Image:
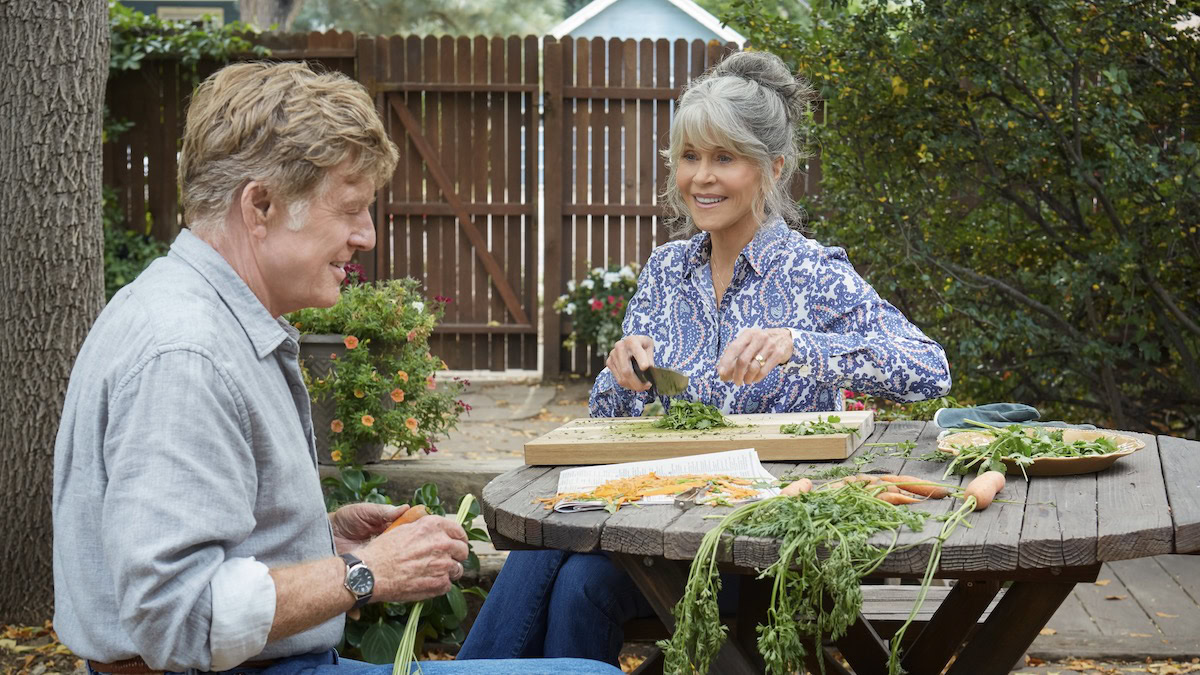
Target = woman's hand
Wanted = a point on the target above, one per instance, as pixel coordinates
(753, 353)
(637, 347)
(356, 524)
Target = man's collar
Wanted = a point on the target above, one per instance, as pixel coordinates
(265, 331)
(766, 245)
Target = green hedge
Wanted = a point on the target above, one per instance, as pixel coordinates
(1021, 179)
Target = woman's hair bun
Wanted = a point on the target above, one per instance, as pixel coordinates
(769, 70)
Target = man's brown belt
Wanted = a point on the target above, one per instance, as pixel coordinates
(137, 666)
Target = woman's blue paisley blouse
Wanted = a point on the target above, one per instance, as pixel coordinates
(844, 335)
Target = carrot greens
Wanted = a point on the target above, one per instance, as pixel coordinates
(818, 426)
(692, 415)
(1020, 445)
(824, 552)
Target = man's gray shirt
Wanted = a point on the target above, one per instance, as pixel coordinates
(186, 441)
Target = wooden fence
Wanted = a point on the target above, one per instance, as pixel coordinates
(519, 158)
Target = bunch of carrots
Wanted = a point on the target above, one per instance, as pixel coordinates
(900, 490)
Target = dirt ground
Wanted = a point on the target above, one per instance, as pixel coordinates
(35, 650)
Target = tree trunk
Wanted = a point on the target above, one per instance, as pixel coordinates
(276, 15)
(55, 56)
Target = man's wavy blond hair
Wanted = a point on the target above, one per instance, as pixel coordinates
(282, 124)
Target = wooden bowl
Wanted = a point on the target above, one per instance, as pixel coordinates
(1054, 466)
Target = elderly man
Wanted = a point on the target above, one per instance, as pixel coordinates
(189, 528)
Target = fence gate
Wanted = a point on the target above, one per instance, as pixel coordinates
(460, 213)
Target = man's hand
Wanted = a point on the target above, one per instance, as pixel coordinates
(416, 561)
(356, 524)
(637, 347)
(753, 353)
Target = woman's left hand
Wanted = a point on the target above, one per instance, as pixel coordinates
(753, 353)
(357, 524)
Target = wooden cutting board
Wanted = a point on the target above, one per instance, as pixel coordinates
(611, 440)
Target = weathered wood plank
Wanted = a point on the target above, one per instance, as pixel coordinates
(681, 539)
(1132, 506)
(954, 617)
(1181, 469)
(1072, 617)
(1060, 522)
(1010, 628)
(578, 532)
(1176, 614)
(1185, 570)
(992, 542)
(637, 530)
(519, 517)
(504, 486)
(1121, 616)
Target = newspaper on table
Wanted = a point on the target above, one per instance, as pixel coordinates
(732, 463)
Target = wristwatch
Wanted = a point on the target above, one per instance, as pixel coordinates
(359, 580)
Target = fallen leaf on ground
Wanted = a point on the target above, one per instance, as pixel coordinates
(1047, 631)
(1140, 635)
(1167, 616)
(1115, 597)
(1103, 582)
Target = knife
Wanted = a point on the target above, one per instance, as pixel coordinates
(668, 382)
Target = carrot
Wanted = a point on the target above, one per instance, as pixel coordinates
(860, 478)
(898, 498)
(984, 488)
(409, 516)
(918, 486)
(796, 487)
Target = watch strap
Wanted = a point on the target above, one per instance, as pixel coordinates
(353, 561)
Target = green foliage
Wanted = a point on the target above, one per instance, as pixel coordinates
(376, 634)
(596, 306)
(126, 252)
(817, 427)
(430, 17)
(692, 415)
(385, 387)
(136, 36)
(1022, 179)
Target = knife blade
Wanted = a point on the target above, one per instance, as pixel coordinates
(666, 381)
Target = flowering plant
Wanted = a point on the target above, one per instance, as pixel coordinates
(382, 379)
(596, 305)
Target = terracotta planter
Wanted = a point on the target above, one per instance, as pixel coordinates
(315, 351)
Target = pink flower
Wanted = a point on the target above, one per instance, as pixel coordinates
(611, 300)
(597, 304)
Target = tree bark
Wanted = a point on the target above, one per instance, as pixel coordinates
(55, 65)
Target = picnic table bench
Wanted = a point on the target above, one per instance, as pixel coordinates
(1048, 534)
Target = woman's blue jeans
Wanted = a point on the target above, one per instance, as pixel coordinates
(555, 604)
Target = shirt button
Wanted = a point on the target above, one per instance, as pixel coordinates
(805, 370)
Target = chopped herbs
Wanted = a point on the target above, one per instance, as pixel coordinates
(692, 415)
(1021, 445)
(818, 426)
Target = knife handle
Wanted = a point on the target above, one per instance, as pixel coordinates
(638, 371)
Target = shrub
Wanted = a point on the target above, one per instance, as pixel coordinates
(1022, 180)
(596, 306)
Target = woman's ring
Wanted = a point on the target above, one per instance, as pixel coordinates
(759, 358)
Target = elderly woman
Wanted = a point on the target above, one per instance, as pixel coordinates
(761, 318)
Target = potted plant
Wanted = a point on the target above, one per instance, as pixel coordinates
(367, 365)
(596, 306)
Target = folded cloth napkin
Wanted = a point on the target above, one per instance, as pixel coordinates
(996, 414)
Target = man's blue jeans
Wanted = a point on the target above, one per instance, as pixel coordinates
(329, 663)
(555, 604)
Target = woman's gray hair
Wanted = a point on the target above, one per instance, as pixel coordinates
(748, 104)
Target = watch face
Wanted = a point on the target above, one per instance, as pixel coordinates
(360, 580)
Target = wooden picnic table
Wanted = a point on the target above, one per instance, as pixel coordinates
(1049, 534)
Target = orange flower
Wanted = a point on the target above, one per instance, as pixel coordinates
(397, 395)
(411, 423)
(336, 455)
(358, 393)
(429, 383)
(336, 426)
(412, 335)
(402, 375)
(367, 420)
(351, 342)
